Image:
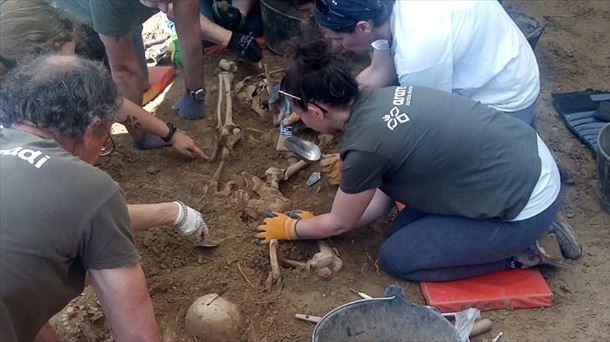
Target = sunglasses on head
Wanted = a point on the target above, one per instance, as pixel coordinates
(323, 7)
(302, 103)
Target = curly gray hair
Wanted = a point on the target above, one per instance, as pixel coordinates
(58, 93)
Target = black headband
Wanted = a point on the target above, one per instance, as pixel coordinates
(339, 14)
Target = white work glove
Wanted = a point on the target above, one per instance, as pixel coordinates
(189, 222)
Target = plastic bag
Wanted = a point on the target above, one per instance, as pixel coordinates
(464, 321)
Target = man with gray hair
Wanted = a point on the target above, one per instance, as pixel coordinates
(60, 217)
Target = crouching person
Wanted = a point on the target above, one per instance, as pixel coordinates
(61, 216)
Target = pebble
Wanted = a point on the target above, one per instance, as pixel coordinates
(569, 215)
(152, 169)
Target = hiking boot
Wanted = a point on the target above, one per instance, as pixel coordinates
(566, 238)
(545, 251)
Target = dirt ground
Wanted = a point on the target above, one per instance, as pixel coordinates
(573, 54)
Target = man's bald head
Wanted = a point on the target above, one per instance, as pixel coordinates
(58, 92)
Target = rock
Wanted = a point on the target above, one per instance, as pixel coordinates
(152, 169)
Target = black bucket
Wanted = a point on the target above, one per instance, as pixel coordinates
(280, 23)
(603, 165)
(531, 27)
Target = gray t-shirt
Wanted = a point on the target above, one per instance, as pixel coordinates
(59, 216)
(108, 17)
(439, 153)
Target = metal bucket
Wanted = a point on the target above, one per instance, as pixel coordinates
(603, 165)
(280, 23)
(389, 318)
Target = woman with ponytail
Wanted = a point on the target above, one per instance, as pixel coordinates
(480, 187)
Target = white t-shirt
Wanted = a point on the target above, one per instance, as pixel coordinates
(470, 48)
(547, 189)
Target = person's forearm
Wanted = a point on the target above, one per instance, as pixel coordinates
(320, 227)
(344, 217)
(46, 334)
(144, 216)
(189, 33)
(126, 304)
(134, 116)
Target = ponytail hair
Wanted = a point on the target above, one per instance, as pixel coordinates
(316, 75)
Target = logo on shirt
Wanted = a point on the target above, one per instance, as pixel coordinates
(35, 158)
(402, 96)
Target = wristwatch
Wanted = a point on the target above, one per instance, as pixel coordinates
(197, 94)
(172, 131)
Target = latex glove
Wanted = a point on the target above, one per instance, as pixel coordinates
(331, 165)
(188, 108)
(299, 214)
(246, 46)
(184, 145)
(189, 222)
(279, 226)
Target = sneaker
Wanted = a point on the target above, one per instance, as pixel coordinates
(563, 231)
(545, 252)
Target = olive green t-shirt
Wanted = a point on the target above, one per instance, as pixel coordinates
(439, 153)
(59, 216)
(108, 17)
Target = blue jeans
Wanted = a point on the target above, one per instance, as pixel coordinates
(254, 22)
(427, 247)
(528, 114)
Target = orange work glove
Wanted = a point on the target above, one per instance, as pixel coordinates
(279, 226)
(331, 165)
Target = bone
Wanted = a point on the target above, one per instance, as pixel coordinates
(228, 189)
(219, 104)
(269, 198)
(292, 169)
(327, 257)
(297, 264)
(216, 177)
(326, 263)
(227, 65)
(274, 175)
(275, 275)
(232, 139)
(226, 79)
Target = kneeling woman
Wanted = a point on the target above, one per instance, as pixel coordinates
(480, 187)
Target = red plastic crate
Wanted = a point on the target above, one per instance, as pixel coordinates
(510, 289)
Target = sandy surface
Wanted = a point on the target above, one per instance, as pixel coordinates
(573, 54)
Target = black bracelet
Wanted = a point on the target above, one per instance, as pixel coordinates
(172, 131)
